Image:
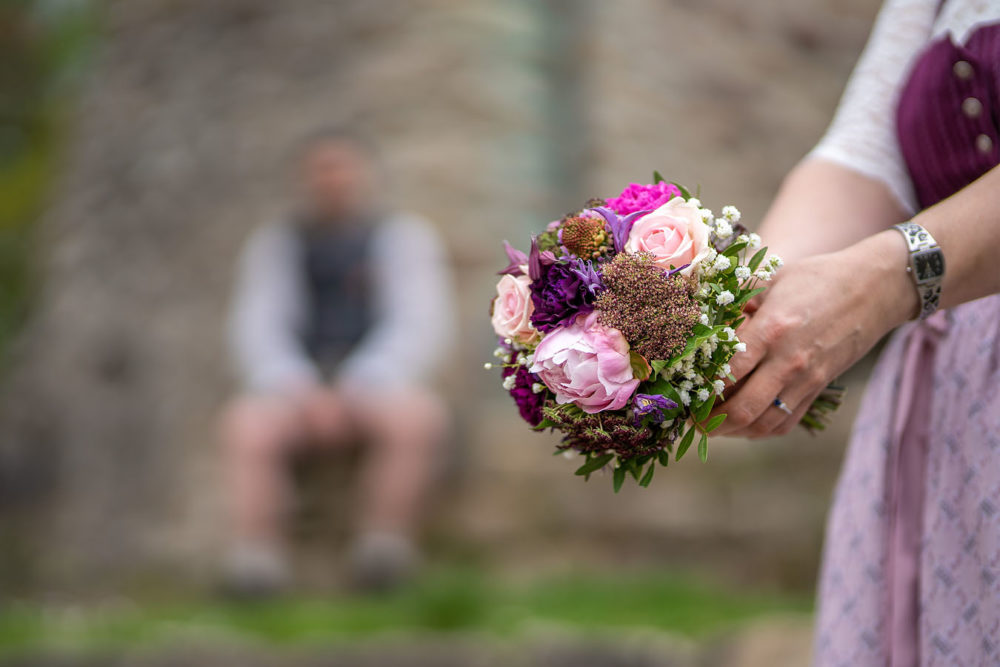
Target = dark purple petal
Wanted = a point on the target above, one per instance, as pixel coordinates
(563, 290)
(529, 404)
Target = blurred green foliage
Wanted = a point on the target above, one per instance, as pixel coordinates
(43, 50)
(445, 601)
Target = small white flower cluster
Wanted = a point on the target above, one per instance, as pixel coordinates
(721, 263)
(731, 213)
(766, 271)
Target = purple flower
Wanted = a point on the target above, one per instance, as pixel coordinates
(562, 290)
(620, 227)
(517, 260)
(529, 404)
(651, 405)
(638, 197)
(537, 261)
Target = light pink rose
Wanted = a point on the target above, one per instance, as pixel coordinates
(512, 309)
(587, 364)
(674, 234)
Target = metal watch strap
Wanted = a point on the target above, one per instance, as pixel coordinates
(926, 266)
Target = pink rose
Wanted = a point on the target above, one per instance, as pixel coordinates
(674, 234)
(587, 364)
(512, 309)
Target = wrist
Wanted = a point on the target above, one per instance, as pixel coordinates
(890, 285)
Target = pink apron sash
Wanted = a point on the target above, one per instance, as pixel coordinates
(906, 479)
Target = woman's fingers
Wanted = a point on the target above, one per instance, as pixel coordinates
(754, 397)
(743, 363)
(797, 396)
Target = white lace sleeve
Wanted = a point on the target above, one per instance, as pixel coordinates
(862, 135)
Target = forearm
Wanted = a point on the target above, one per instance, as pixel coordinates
(823, 207)
(967, 227)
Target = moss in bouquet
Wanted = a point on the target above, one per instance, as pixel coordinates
(655, 312)
(605, 431)
(548, 240)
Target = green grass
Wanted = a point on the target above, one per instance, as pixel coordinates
(442, 602)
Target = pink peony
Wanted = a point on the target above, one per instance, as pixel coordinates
(512, 309)
(587, 364)
(638, 197)
(674, 234)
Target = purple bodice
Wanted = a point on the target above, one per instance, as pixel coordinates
(948, 119)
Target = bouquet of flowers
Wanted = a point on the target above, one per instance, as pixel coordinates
(618, 326)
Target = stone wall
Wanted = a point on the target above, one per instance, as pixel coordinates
(494, 116)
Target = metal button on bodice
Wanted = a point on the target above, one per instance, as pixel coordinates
(984, 144)
(972, 107)
(963, 70)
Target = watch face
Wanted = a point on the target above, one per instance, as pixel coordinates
(929, 264)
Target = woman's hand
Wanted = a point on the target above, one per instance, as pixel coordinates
(819, 316)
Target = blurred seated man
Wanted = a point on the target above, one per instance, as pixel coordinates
(341, 313)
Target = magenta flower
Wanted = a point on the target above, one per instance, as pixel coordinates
(586, 364)
(638, 197)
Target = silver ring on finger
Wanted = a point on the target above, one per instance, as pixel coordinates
(781, 405)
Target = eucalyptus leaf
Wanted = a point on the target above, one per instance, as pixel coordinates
(746, 296)
(619, 479)
(757, 259)
(734, 249)
(648, 477)
(684, 190)
(701, 414)
(703, 448)
(715, 422)
(685, 443)
(593, 464)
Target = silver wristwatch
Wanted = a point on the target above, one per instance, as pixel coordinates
(926, 266)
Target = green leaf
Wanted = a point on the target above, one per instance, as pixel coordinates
(593, 464)
(703, 448)
(757, 259)
(685, 443)
(684, 190)
(701, 414)
(648, 477)
(619, 479)
(746, 296)
(544, 424)
(660, 365)
(734, 249)
(641, 370)
(715, 422)
(663, 456)
(700, 329)
(657, 177)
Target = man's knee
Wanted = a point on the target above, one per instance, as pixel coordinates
(416, 414)
(258, 425)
